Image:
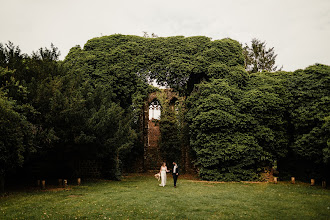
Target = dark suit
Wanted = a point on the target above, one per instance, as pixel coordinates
(175, 174)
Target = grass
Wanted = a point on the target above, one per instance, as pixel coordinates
(140, 197)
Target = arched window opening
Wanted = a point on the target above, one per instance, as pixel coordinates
(154, 110)
(174, 104)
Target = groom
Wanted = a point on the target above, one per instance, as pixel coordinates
(175, 173)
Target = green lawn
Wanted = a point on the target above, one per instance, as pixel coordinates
(140, 197)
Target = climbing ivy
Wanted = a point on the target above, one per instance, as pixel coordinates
(239, 125)
(90, 106)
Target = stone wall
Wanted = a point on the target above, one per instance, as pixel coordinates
(151, 133)
(153, 152)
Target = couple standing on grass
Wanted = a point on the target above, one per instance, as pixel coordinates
(163, 170)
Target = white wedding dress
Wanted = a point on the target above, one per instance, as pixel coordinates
(163, 176)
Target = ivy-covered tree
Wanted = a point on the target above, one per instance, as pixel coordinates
(89, 106)
(177, 62)
(237, 123)
(170, 142)
(310, 104)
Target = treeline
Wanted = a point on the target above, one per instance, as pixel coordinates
(53, 113)
(89, 106)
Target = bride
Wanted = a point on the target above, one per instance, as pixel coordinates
(163, 170)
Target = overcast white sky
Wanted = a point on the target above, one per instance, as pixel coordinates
(298, 29)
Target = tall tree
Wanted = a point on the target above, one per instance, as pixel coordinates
(17, 134)
(258, 58)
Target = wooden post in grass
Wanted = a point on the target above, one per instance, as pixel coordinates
(78, 181)
(38, 182)
(60, 182)
(43, 184)
(312, 182)
(324, 184)
(65, 182)
(293, 180)
(275, 180)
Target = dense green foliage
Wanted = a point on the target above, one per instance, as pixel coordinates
(225, 131)
(309, 112)
(56, 113)
(170, 129)
(88, 107)
(16, 132)
(16, 137)
(170, 143)
(117, 61)
(140, 197)
(177, 62)
(238, 128)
